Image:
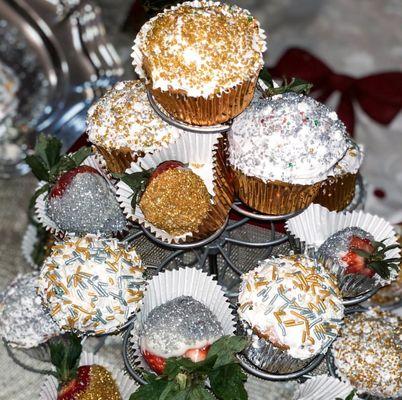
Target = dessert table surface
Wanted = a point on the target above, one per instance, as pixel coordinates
(356, 38)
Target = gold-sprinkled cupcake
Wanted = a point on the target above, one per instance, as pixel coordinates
(338, 190)
(123, 126)
(201, 60)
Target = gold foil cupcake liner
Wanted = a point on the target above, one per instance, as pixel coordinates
(273, 197)
(336, 193)
(214, 110)
(117, 160)
(126, 386)
(95, 161)
(204, 155)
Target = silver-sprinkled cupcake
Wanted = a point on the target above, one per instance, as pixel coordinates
(24, 323)
(292, 311)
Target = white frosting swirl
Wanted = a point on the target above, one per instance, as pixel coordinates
(294, 303)
(290, 138)
(203, 48)
(351, 161)
(91, 285)
(123, 118)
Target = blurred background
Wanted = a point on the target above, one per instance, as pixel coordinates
(58, 56)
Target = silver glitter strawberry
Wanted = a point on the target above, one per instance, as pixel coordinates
(358, 261)
(81, 201)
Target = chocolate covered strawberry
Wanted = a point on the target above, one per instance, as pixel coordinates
(171, 197)
(182, 327)
(80, 382)
(78, 198)
(357, 259)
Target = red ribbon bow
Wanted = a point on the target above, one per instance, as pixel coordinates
(379, 95)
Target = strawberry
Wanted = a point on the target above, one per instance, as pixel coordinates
(165, 166)
(65, 179)
(85, 382)
(358, 252)
(197, 355)
(158, 364)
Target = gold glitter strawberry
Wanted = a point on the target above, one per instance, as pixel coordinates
(171, 197)
(88, 382)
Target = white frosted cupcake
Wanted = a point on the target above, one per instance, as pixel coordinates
(281, 149)
(201, 60)
(123, 126)
(292, 310)
(91, 285)
(368, 352)
(338, 190)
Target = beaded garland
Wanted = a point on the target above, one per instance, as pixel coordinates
(91, 285)
(292, 302)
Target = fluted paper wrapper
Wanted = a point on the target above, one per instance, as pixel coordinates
(312, 227)
(336, 193)
(94, 161)
(216, 109)
(117, 160)
(27, 245)
(322, 387)
(183, 282)
(264, 355)
(273, 197)
(126, 385)
(196, 150)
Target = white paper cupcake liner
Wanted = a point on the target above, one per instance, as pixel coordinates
(264, 355)
(182, 282)
(197, 150)
(322, 387)
(126, 385)
(95, 161)
(316, 224)
(28, 243)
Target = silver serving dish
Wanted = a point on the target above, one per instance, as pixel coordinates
(60, 53)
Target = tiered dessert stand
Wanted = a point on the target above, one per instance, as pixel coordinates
(246, 237)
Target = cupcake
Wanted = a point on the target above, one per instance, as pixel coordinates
(123, 126)
(201, 60)
(281, 149)
(91, 285)
(368, 352)
(358, 261)
(181, 327)
(337, 192)
(24, 323)
(83, 376)
(291, 309)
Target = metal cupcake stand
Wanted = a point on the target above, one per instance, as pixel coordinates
(234, 249)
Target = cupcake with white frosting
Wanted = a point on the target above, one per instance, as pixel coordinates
(281, 149)
(292, 310)
(367, 353)
(338, 190)
(201, 60)
(123, 126)
(91, 285)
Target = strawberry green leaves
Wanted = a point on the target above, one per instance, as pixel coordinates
(185, 380)
(295, 85)
(47, 163)
(137, 182)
